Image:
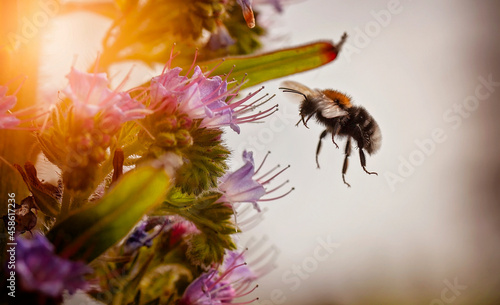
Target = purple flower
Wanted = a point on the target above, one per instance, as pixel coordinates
(239, 270)
(90, 94)
(221, 287)
(242, 186)
(220, 39)
(197, 293)
(172, 92)
(39, 269)
(138, 238)
(202, 97)
(10, 119)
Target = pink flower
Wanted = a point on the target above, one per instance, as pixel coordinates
(90, 94)
(10, 119)
(221, 287)
(242, 186)
(203, 97)
(7, 102)
(193, 96)
(240, 271)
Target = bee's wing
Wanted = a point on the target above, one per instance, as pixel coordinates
(329, 109)
(300, 91)
(298, 88)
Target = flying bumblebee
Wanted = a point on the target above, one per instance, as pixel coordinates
(334, 110)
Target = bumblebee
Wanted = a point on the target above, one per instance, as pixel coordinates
(334, 110)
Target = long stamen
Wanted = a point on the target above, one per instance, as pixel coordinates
(262, 163)
(278, 187)
(238, 296)
(229, 73)
(240, 286)
(27, 111)
(247, 190)
(233, 95)
(227, 93)
(249, 96)
(269, 180)
(46, 121)
(20, 85)
(243, 80)
(278, 197)
(214, 291)
(231, 269)
(214, 272)
(268, 172)
(215, 67)
(169, 62)
(194, 62)
(244, 303)
(258, 116)
(252, 107)
(221, 276)
(257, 120)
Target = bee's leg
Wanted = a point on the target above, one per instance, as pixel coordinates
(346, 159)
(323, 134)
(335, 131)
(363, 162)
(303, 121)
(308, 118)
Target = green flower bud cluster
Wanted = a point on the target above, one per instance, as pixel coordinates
(77, 146)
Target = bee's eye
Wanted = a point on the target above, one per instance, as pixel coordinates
(336, 101)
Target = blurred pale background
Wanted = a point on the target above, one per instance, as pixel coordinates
(427, 237)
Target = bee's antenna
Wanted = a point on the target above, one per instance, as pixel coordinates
(289, 90)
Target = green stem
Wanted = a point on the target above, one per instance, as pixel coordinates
(65, 206)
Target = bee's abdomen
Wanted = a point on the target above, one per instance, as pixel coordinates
(364, 129)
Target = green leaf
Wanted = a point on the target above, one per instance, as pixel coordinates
(90, 231)
(207, 161)
(213, 219)
(276, 64)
